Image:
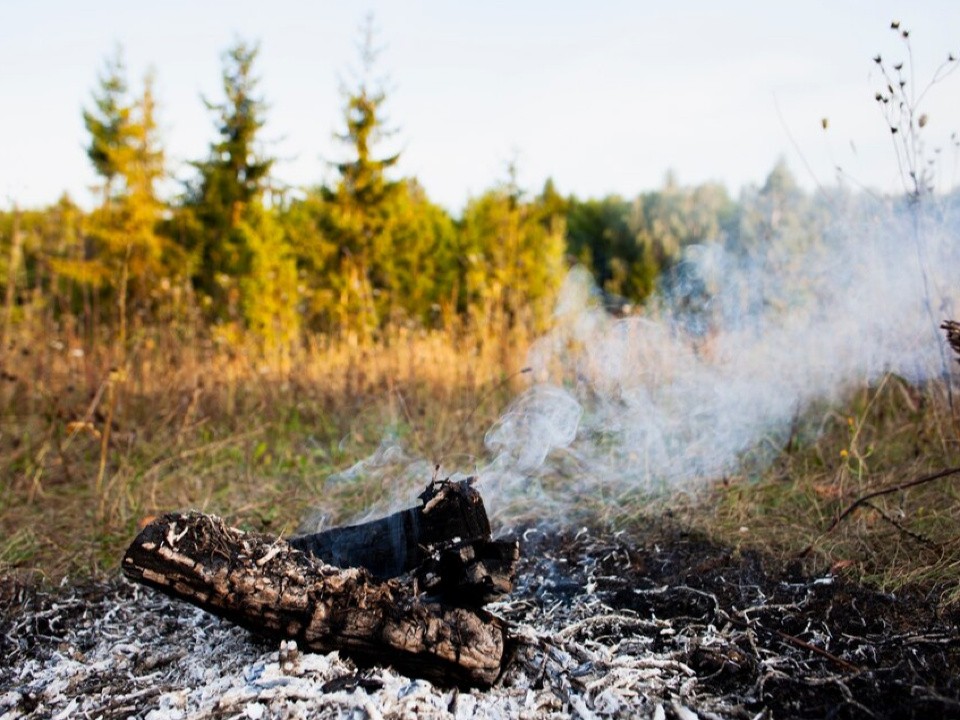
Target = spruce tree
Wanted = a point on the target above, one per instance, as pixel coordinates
(107, 120)
(372, 250)
(243, 263)
(360, 205)
(230, 181)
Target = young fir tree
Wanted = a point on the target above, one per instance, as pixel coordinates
(107, 122)
(126, 153)
(108, 119)
(230, 180)
(243, 264)
(371, 250)
(359, 218)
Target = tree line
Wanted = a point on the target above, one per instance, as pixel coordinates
(369, 250)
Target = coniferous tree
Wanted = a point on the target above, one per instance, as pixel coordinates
(243, 263)
(360, 204)
(418, 267)
(132, 229)
(231, 180)
(108, 124)
(512, 252)
(372, 250)
(601, 236)
(108, 119)
(126, 253)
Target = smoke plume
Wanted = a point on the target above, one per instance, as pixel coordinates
(717, 368)
(711, 375)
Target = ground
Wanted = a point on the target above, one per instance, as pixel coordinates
(653, 621)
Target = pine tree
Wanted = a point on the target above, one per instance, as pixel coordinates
(231, 180)
(243, 260)
(359, 217)
(108, 119)
(132, 231)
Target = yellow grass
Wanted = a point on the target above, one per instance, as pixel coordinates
(92, 442)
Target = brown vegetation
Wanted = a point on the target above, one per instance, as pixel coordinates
(91, 447)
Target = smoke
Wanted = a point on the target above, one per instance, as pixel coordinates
(542, 419)
(715, 373)
(712, 376)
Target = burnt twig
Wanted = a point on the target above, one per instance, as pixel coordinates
(818, 650)
(915, 536)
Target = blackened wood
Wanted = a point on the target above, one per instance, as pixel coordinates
(471, 574)
(450, 513)
(266, 585)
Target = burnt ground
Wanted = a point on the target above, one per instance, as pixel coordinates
(662, 624)
(762, 637)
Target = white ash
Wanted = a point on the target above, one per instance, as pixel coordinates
(126, 651)
(606, 626)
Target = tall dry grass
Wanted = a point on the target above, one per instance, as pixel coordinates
(94, 437)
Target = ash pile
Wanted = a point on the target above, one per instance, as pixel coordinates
(658, 623)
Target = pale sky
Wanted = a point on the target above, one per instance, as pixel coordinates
(605, 97)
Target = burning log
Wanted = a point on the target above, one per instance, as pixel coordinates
(427, 622)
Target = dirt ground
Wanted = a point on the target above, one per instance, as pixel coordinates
(656, 623)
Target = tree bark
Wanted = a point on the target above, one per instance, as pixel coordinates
(271, 588)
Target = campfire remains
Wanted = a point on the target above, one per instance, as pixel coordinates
(655, 621)
(406, 590)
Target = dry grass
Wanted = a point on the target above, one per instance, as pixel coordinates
(91, 444)
(884, 436)
(86, 452)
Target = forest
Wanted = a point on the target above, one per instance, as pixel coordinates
(235, 253)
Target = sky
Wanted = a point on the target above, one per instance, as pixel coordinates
(603, 97)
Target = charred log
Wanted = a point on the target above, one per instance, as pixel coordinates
(445, 541)
(471, 574)
(273, 589)
(450, 513)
